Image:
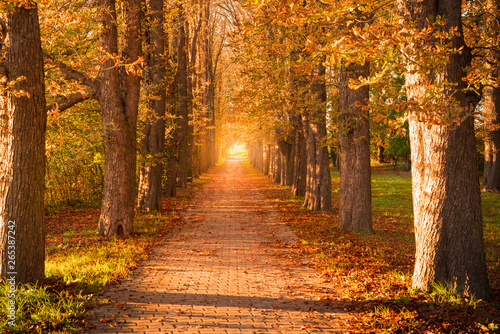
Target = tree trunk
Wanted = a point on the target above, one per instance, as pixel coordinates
(277, 166)
(267, 159)
(491, 175)
(192, 83)
(153, 140)
(182, 101)
(300, 164)
(380, 154)
(318, 195)
(355, 206)
(259, 155)
(22, 148)
(287, 162)
(446, 196)
(119, 102)
(272, 162)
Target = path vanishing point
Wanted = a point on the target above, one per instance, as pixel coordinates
(228, 269)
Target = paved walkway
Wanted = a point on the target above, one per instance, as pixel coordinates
(230, 269)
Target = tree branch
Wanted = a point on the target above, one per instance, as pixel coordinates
(68, 101)
(69, 73)
(92, 91)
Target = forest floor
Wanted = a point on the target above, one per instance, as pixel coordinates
(374, 271)
(234, 267)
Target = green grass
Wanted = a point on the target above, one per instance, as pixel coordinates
(94, 267)
(40, 310)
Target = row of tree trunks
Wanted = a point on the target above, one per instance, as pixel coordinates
(318, 195)
(182, 98)
(22, 148)
(153, 140)
(300, 160)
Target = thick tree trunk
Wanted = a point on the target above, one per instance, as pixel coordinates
(318, 195)
(446, 196)
(300, 164)
(119, 102)
(22, 148)
(355, 207)
(153, 140)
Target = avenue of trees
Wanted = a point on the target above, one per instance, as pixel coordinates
(174, 83)
(340, 74)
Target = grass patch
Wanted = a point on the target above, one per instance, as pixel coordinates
(79, 265)
(373, 272)
(43, 310)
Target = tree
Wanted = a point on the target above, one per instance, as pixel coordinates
(119, 100)
(182, 96)
(491, 175)
(355, 207)
(22, 145)
(153, 140)
(300, 165)
(318, 195)
(446, 196)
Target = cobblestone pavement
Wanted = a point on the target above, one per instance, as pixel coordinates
(231, 269)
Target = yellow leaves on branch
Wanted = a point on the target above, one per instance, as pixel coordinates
(9, 6)
(134, 68)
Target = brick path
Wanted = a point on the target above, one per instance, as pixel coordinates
(223, 272)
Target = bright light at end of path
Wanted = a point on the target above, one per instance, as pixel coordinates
(238, 149)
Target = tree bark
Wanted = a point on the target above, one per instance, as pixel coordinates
(277, 166)
(182, 100)
(318, 195)
(491, 175)
(446, 196)
(300, 165)
(22, 148)
(153, 140)
(287, 162)
(267, 159)
(272, 161)
(355, 206)
(119, 100)
(380, 154)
